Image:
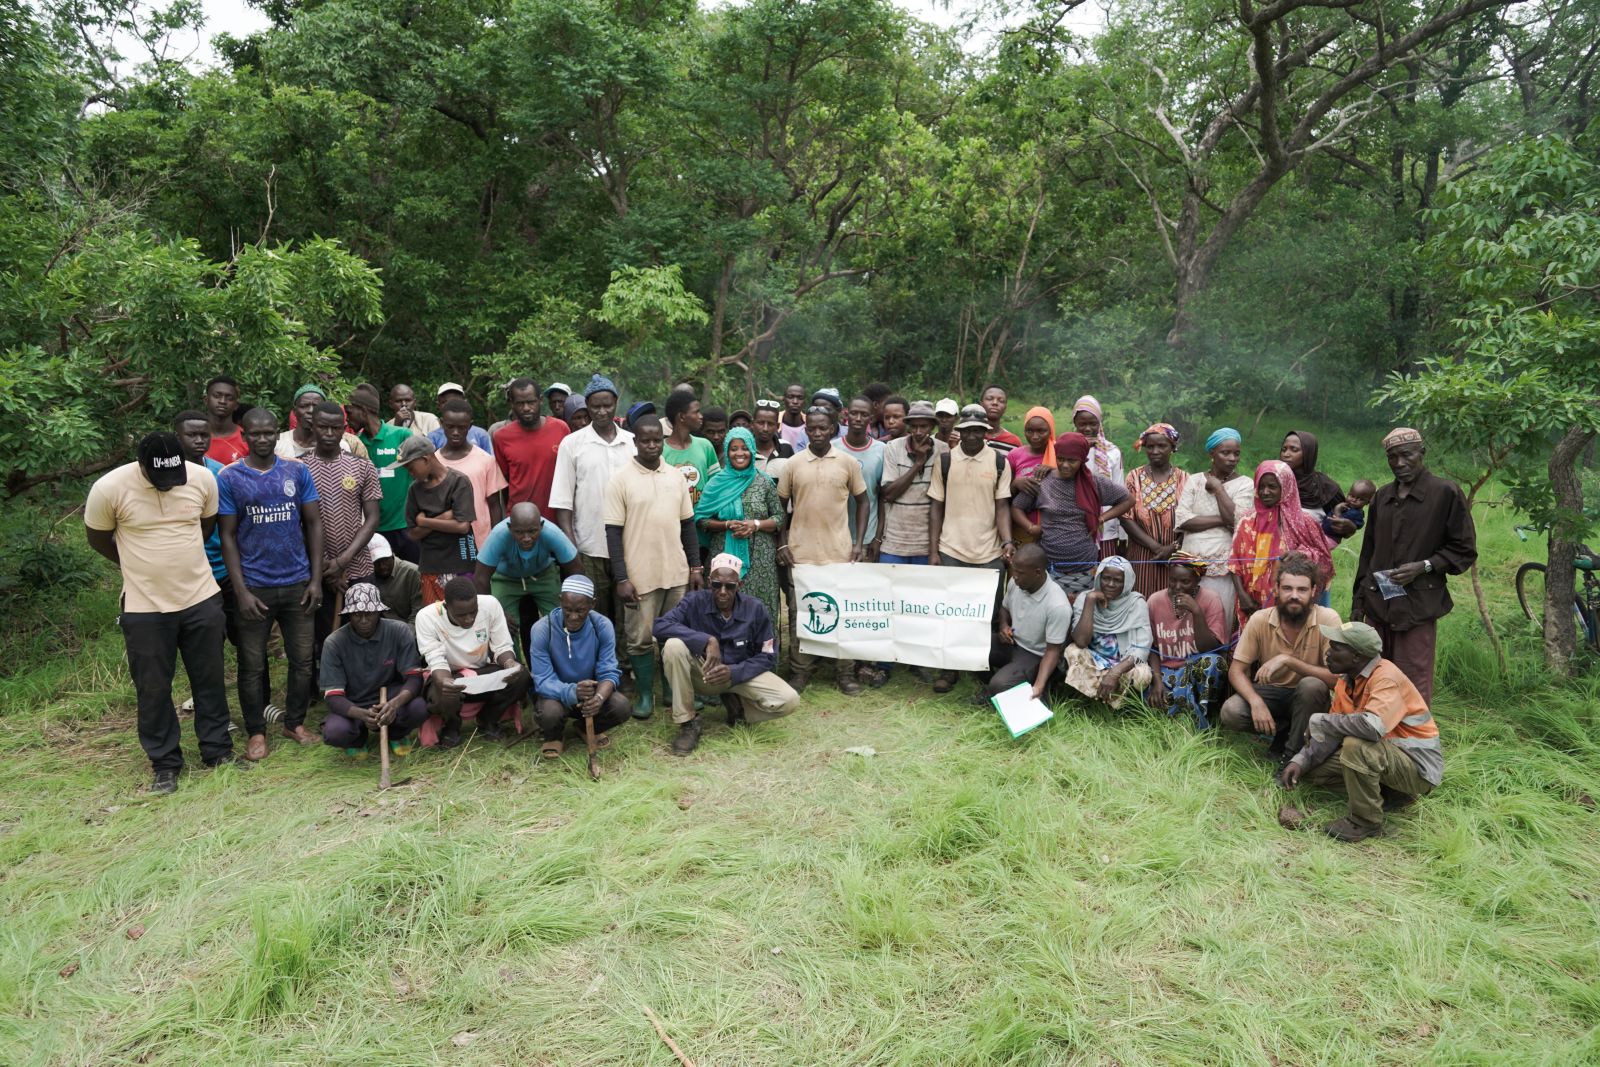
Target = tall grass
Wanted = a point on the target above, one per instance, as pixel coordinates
(1108, 889)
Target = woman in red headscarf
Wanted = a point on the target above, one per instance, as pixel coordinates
(1069, 503)
(1274, 526)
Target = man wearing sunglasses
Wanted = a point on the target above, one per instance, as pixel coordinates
(771, 449)
(718, 642)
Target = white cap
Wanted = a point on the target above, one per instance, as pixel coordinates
(947, 407)
(449, 387)
(558, 387)
(379, 547)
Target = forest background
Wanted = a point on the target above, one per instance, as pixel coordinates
(1352, 210)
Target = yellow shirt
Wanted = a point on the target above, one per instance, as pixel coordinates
(976, 482)
(650, 506)
(164, 565)
(821, 488)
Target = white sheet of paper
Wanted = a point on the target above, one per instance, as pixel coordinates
(485, 683)
(1018, 710)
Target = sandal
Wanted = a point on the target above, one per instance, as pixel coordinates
(602, 742)
(551, 749)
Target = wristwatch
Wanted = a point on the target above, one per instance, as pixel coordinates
(1427, 566)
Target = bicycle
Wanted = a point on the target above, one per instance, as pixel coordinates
(1586, 601)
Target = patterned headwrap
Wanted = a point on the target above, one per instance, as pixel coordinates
(1189, 559)
(1221, 434)
(1401, 435)
(1158, 427)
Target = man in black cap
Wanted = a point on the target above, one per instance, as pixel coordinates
(151, 518)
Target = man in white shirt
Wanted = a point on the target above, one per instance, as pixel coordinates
(467, 632)
(585, 461)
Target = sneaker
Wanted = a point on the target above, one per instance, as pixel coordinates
(945, 682)
(165, 783)
(848, 685)
(357, 754)
(873, 676)
(688, 737)
(923, 675)
(230, 760)
(187, 707)
(272, 713)
(1347, 829)
(400, 748)
(233, 727)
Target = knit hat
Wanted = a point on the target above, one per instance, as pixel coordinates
(599, 384)
(578, 585)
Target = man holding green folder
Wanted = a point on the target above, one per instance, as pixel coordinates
(1035, 622)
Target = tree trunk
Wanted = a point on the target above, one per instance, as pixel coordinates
(1560, 580)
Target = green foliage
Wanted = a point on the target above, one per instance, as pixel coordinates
(1518, 242)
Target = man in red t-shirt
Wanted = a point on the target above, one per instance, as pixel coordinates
(525, 447)
(222, 400)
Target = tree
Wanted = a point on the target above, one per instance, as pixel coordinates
(1285, 81)
(1517, 249)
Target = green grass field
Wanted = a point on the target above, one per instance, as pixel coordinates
(1104, 891)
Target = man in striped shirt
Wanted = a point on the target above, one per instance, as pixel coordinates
(1378, 741)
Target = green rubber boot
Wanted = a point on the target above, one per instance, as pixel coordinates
(644, 674)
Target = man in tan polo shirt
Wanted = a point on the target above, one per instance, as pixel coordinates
(969, 520)
(820, 482)
(152, 518)
(1278, 673)
(651, 539)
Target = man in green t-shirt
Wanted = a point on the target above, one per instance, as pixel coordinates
(383, 442)
(694, 457)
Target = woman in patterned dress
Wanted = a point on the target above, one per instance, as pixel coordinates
(1155, 488)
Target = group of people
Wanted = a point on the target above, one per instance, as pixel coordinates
(423, 572)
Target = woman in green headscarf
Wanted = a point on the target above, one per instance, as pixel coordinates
(739, 509)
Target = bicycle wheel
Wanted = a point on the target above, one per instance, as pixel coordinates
(1530, 590)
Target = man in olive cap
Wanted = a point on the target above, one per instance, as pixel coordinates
(1378, 742)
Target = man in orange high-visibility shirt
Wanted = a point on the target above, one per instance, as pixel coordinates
(1378, 741)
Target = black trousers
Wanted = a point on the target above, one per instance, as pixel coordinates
(155, 640)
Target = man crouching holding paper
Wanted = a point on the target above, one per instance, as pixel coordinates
(467, 632)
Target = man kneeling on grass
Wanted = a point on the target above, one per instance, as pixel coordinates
(572, 654)
(1378, 742)
(718, 642)
(467, 632)
(362, 659)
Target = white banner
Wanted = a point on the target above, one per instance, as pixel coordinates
(896, 613)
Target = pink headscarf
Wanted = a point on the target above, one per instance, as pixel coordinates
(1291, 529)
